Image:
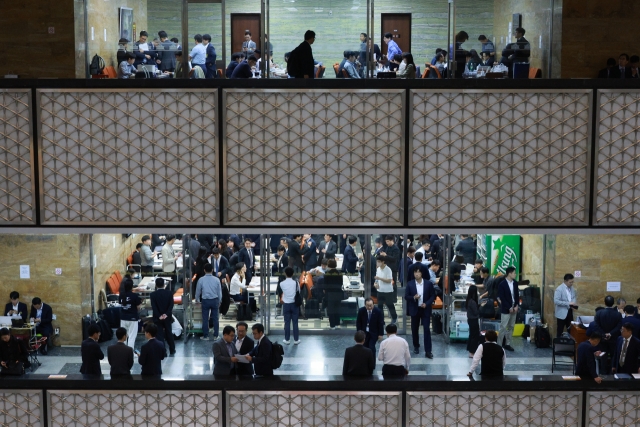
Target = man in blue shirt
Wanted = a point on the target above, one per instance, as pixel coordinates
(210, 57)
(209, 292)
(392, 47)
(198, 54)
(487, 45)
(243, 70)
(350, 66)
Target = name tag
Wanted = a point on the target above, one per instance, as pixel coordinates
(367, 328)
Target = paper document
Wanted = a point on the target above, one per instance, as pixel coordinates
(242, 358)
(570, 377)
(636, 376)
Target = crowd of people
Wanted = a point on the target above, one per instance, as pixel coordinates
(624, 68)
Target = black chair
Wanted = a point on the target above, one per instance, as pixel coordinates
(564, 347)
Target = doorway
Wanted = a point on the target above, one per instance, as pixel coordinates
(399, 25)
(241, 22)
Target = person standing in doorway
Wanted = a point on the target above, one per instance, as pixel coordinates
(565, 301)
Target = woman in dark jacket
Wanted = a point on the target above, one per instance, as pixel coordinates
(13, 352)
(473, 314)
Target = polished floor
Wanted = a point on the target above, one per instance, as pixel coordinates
(321, 355)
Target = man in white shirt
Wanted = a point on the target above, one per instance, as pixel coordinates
(384, 285)
(198, 55)
(394, 353)
(492, 356)
(565, 301)
(289, 308)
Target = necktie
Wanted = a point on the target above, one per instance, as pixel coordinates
(624, 352)
(216, 264)
(230, 349)
(369, 319)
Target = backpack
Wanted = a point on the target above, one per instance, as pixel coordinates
(277, 355)
(97, 65)
(542, 337)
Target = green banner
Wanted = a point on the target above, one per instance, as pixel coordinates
(504, 250)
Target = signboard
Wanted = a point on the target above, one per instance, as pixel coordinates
(504, 250)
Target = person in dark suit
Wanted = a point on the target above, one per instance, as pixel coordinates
(327, 248)
(466, 248)
(260, 356)
(420, 296)
(293, 252)
(607, 73)
(308, 249)
(358, 360)
(152, 352)
(629, 311)
(232, 65)
(332, 285)
(623, 70)
(210, 59)
(244, 345)
(370, 320)
(247, 256)
(635, 67)
(509, 298)
(162, 305)
(301, 64)
(417, 266)
(609, 321)
(350, 261)
(224, 352)
(487, 59)
(244, 69)
(120, 355)
(13, 352)
(587, 353)
(43, 316)
(220, 265)
(91, 353)
(283, 262)
(15, 306)
(625, 360)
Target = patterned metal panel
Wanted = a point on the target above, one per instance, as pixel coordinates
(134, 409)
(144, 157)
(500, 157)
(617, 188)
(613, 409)
(330, 157)
(313, 409)
(16, 158)
(494, 409)
(21, 408)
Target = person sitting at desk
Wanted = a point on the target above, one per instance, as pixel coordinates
(16, 307)
(91, 353)
(350, 66)
(492, 356)
(43, 316)
(13, 354)
(244, 69)
(126, 69)
(238, 289)
(587, 353)
(487, 59)
(409, 70)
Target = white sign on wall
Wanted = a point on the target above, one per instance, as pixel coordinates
(577, 273)
(613, 286)
(24, 272)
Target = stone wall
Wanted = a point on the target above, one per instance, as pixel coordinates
(69, 294)
(111, 252)
(594, 30)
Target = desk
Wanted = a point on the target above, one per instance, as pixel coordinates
(254, 285)
(148, 285)
(346, 285)
(578, 334)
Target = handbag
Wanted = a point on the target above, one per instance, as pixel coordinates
(298, 299)
(13, 369)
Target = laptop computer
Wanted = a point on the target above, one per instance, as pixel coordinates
(5, 320)
(17, 323)
(149, 68)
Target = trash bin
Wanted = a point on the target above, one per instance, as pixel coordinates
(520, 70)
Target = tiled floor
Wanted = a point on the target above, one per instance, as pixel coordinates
(322, 355)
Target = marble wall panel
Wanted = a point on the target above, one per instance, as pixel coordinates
(66, 293)
(111, 251)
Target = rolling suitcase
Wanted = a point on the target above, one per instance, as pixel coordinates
(436, 323)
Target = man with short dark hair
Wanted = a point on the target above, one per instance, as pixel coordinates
(586, 359)
(14, 357)
(625, 360)
(622, 71)
(350, 259)
(609, 321)
(152, 352)
(209, 293)
(120, 355)
(358, 360)
(248, 45)
(224, 353)
(232, 65)
(244, 345)
(635, 67)
(260, 356)
(143, 51)
(166, 53)
(420, 296)
(210, 57)
(162, 306)
(219, 265)
(418, 266)
(392, 47)
(15, 307)
(487, 45)
(301, 64)
(467, 248)
(198, 55)
(491, 355)
(509, 298)
(91, 352)
(289, 309)
(43, 316)
(244, 69)
(631, 319)
(169, 258)
(146, 256)
(370, 320)
(564, 299)
(350, 66)
(247, 256)
(609, 71)
(129, 314)
(126, 69)
(394, 353)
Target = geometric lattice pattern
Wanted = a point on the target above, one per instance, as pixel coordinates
(494, 409)
(16, 172)
(21, 408)
(499, 157)
(133, 409)
(613, 409)
(314, 409)
(144, 157)
(329, 157)
(617, 199)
